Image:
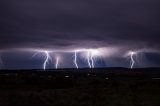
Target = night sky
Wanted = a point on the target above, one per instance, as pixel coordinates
(62, 26)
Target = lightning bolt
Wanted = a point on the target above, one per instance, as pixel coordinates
(132, 59)
(88, 59)
(75, 59)
(92, 53)
(46, 56)
(57, 62)
(92, 60)
(46, 60)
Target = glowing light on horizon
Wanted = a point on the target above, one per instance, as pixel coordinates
(91, 55)
(88, 56)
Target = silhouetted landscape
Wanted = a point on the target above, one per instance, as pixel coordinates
(80, 87)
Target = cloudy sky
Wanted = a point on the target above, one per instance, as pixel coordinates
(67, 25)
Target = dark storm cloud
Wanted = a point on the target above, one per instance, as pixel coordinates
(79, 23)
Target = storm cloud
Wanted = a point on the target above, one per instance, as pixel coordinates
(79, 23)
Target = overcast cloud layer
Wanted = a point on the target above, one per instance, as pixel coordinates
(79, 23)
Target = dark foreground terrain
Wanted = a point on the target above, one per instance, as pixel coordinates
(83, 87)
